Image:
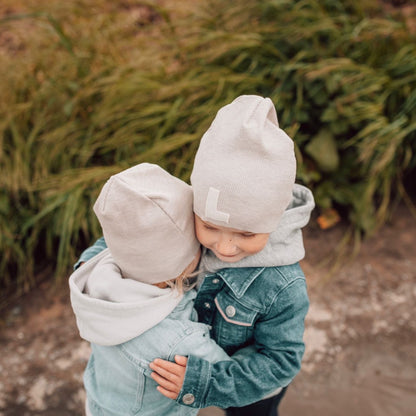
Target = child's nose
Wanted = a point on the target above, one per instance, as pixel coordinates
(226, 245)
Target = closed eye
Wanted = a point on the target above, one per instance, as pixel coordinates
(209, 227)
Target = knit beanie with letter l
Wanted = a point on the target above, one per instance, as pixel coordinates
(147, 221)
(245, 167)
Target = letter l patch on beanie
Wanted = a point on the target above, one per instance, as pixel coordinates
(211, 207)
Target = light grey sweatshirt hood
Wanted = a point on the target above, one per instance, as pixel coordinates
(110, 309)
(285, 245)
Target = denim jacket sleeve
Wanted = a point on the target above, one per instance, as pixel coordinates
(91, 251)
(273, 363)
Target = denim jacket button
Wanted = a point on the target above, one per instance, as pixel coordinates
(188, 398)
(207, 305)
(215, 281)
(230, 311)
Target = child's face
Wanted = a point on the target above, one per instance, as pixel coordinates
(228, 244)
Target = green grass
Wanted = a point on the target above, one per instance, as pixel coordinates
(91, 87)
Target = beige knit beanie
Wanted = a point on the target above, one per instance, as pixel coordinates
(147, 221)
(245, 167)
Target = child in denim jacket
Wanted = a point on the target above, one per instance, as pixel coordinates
(248, 216)
(131, 300)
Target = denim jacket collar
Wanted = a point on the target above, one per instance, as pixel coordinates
(239, 279)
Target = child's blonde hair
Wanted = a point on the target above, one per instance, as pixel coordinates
(184, 282)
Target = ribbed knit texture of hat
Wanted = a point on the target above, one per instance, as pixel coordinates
(245, 167)
(147, 221)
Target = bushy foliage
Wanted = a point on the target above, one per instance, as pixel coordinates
(92, 87)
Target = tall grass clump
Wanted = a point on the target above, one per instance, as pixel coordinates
(92, 87)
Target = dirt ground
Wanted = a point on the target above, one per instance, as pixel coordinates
(360, 336)
(360, 332)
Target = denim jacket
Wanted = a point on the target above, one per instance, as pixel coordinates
(117, 378)
(129, 324)
(256, 309)
(262, 307)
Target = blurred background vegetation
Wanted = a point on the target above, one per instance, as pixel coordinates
(91, 87)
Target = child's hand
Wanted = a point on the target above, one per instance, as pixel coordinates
(169, 376)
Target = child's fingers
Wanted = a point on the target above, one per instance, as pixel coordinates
(181, 360)
(169, 372)
(165, 384)
(167, 393)
(169, 376)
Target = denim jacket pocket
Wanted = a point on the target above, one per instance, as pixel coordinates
(125, 397)
(234, 322)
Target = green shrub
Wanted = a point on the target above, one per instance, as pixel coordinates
(89, 89)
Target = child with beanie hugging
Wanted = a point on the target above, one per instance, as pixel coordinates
(132, 301)
(252, 292)
(248, 216)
